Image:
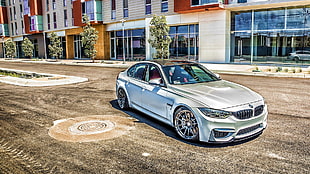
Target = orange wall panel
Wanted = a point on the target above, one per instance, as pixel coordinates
(35, 7)
(3, 15)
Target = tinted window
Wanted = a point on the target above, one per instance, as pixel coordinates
(137, 71)
(154, 75)
(188, 74)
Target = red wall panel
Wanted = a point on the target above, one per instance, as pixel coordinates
(184, 6)
(77, 13)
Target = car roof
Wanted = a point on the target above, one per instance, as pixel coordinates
(167, 62)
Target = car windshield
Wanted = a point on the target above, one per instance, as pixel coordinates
(188, 74)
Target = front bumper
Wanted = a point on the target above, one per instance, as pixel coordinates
(231, 129)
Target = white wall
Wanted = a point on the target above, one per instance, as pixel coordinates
(214, 36)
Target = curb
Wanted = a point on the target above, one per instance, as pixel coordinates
(128, 64)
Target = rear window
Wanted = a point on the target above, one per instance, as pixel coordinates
(137, 71)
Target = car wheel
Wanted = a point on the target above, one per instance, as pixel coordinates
(122, 99)
(296, 59)
(186, 124)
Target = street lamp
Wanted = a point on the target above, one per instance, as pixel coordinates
(123, 20)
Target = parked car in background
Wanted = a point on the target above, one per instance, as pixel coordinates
(196, 102)
(299, 55)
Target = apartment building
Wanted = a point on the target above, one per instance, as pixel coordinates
(202, 30)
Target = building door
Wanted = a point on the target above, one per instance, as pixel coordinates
(78, 48)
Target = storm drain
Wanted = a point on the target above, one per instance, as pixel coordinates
(91, 128)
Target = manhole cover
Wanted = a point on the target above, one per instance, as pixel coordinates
(91, 128)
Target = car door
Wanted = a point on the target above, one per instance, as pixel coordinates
(136, 83)
(154, 94)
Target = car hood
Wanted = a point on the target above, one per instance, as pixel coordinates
(218, 94)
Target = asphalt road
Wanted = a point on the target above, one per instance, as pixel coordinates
(27, 114)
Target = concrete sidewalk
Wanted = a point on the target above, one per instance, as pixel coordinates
(240, 69)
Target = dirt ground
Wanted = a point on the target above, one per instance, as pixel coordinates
(27, 114)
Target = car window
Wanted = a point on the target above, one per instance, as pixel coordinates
(154, 75)
(188, 74)
(137, 71)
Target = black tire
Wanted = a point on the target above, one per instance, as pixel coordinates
(296, 59)
(122, 99)
(186, 124)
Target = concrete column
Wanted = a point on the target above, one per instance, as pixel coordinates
(214, 36)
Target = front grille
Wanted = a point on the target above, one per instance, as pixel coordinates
(258, 110)
(249, 129)
(218, 134)
(248, 113)
(243, 114)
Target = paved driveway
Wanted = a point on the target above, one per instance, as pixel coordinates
(28, 113)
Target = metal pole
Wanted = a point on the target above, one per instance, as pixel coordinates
(44, 34)
(123, 20)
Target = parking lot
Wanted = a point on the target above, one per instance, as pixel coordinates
(28, 113)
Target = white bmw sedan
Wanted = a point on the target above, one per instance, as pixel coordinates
(196, 102)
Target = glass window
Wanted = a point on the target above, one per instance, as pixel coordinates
(55, 20)
(125, 8)
(164, 6)
(297, 17)
(64, 2)
(241, 21)
(65, 18)
(54, 4)
(148, 7)
(137, 71)
(113, 9)
(48, 21)
(184, 41)
(276, 19)
(47, 5)
(154, 75)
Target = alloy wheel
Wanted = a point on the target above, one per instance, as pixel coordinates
(186, 124)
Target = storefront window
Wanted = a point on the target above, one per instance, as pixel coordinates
(184, 43)
(273, 35)
(134, 44)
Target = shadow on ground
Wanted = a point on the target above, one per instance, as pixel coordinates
(169, 131)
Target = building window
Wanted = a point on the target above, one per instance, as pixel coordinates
(22, 24)
(203, 2)
(65, 2)
(11, 14)
(48, 21)
(47, 5)
(32, 20)
(125, 8)
(72, 16)
(148, 7)
(55, 20)
(65, 18)
(134, 44)
(185, 41)
(12, 28)
(272, 36)
(14, 12)
(113, 9)
(21, 10)
(54, 4)
(16, 30)
(164, 6)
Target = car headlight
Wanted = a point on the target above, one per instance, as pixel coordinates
(215, 113)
